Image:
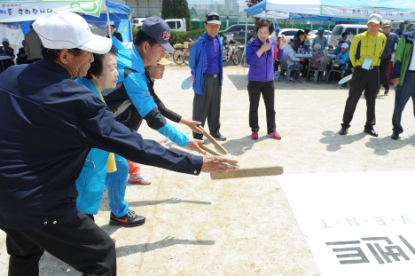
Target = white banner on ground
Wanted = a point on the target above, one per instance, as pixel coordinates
(356, 223)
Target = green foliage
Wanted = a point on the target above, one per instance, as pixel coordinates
(181, 37)
(167, 10)
(176, 9)
(182, 11)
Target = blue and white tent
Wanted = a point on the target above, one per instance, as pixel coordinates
(351, 10)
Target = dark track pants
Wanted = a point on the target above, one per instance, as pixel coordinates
(207, 105)
(363, 80)
(402, 95)
(255, 89)
(383, 68)
(81, 244)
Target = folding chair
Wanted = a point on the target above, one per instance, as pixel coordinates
(324, 61)
(284, 67)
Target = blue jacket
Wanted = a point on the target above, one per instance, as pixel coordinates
(136, 87)
(48, 124)
(197, 60)
(261, 68)
(343, 59)
(90, 183)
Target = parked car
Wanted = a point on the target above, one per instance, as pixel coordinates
(177, 24)
(313, 34)
(288, 33)
(138, 21)
(350, 29)
(237, 32)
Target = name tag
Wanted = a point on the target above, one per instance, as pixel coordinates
(367, 63)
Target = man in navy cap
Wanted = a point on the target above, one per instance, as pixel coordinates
(206, 65)
(320, 39)
(149, 47)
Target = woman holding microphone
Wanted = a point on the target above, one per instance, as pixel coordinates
(260, 57)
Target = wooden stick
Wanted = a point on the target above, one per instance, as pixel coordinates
(179, 149)
(249, 172)
(211, 151)
(214, 142)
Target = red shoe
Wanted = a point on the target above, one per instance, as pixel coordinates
(274, 135)
(254, 135)
(386, 91)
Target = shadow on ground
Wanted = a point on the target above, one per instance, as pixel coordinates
(335, 141)
(166, 242)
(383, 146)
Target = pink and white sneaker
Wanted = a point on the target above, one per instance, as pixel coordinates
(139, 179)
(254, 135)
(274, 135)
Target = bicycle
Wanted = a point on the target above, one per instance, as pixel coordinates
(230, 52)
(182, 53)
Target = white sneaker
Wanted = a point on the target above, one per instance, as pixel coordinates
(139, 179)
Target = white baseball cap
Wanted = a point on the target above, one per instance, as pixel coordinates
(375, 18)
(345, 45)
(67, 30)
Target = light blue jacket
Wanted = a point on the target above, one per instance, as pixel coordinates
(343, 59)
(136, 86)
(90, 183)
(197, 61)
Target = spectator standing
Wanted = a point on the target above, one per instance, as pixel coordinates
(37, 195)
(259, 56)
(297, 40)
(206, 66)
(403, 78)
(33, 45)
(392, 41)
(306, 36)
(365, 54)
(113, 31)
(320, 39)
(276, 33)
(21, 55)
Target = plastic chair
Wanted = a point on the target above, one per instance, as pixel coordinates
(338, 70)
(284, 67)
(324, 61)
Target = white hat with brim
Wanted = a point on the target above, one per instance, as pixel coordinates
(375, 18)
(345, 45)
(67, 30)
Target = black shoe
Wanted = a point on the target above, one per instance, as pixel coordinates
(344, 131)
(395, 136)
(219, 137)
(129, 220)
(371, 132)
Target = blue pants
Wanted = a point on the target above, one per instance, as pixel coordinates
(116, 184)
(402, 95)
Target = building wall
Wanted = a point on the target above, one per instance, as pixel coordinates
(144, 8)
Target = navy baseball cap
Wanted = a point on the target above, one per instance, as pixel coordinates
(277, 28)
(158, 29)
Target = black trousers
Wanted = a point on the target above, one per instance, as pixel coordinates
(81, 244)
(402, 95)
(276, 65)
(384, 64)
(207, 106)
(255, 89)
(363, 80)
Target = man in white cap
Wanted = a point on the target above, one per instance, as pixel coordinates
(392, 41)
(113, 31)
(365, 53)
(43, 148)
(206, 66)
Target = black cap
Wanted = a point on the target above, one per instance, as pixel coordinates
(158, 29)
(213, 18)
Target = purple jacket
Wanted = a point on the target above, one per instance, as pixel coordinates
(261, 68)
